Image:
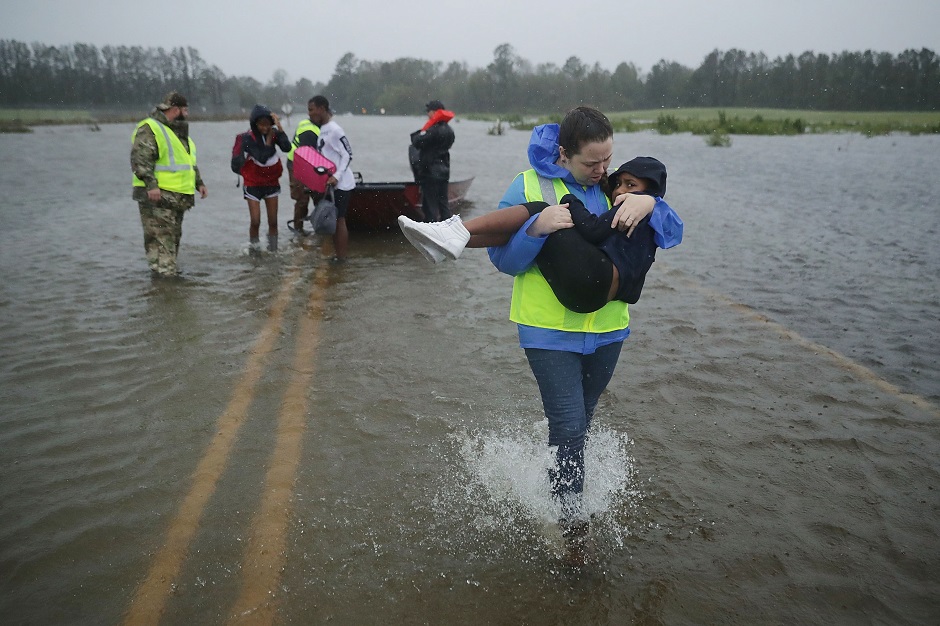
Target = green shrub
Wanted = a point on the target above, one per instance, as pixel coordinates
(718, 139)
(668, 124)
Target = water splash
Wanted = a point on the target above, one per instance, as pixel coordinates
(506, 484)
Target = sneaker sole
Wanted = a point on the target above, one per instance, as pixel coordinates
(422, 244)
(420, 240)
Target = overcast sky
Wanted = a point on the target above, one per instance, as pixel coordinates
(307, 37)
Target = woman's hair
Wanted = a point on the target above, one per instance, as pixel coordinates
(583, 125)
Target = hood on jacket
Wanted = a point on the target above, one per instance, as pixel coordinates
(257, 113)
(649, 169)
(543, 153)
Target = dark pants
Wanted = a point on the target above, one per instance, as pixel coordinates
(434, 200)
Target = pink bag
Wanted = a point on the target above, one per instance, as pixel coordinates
(312, 168)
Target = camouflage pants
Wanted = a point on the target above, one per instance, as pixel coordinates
(163, 229)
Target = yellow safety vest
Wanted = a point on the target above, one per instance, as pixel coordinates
(534, 303)
(303, 127)
(175, 168)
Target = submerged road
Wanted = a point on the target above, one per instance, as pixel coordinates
(265, 551)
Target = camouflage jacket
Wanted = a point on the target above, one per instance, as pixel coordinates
(144, 155)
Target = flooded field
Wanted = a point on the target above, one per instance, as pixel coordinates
(274, 439)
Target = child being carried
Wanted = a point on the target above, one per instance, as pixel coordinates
(586, 266)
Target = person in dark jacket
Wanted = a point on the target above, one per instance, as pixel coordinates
(259, 165)
(432, 166)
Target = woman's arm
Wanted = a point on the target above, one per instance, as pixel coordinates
(665, 222)
(519, 254)
(632, 209)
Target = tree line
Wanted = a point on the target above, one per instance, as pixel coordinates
(124, 78)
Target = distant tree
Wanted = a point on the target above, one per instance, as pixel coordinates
(626, 90)
(501, 77)
(341, 89)
(703, 84)
(574, 69)
(451, 85)
(919, 72)
(133, 77)
(668, 85)
(302, 91)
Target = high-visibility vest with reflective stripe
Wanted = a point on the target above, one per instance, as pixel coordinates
(175, 168)
(303, 127)
(534, 303)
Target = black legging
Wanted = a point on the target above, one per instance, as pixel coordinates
(578, 272)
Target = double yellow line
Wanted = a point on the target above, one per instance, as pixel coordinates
(265, 551)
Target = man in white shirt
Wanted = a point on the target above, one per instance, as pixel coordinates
(334, 145)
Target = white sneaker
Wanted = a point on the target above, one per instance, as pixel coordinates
(436, 240)
(431, 254)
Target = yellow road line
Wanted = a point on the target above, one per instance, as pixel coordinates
(265, 553)
(838, 358)
(150, 599)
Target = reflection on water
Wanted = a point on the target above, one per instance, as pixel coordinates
(736, 474)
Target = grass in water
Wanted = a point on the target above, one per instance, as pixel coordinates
(744, 121)
(712, 123)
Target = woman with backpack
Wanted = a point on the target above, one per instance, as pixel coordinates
(254, 156)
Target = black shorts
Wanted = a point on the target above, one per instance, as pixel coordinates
(341, 200)
(260, 193)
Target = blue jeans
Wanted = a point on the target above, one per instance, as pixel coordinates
(571, 384)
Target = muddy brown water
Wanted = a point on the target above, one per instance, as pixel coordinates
(273, 439)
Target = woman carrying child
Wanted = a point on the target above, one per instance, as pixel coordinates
(572, 355)
(587, 265)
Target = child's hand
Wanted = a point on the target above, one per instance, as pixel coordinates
(551, 219)
(633, 208)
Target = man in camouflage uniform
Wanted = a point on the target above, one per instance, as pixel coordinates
(162, 208)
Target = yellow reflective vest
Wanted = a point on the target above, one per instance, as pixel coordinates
(175, 168)
(303, 127)
(534, 303)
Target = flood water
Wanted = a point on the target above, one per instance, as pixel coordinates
(274, 439)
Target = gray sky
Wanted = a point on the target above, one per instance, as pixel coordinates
(306, 40)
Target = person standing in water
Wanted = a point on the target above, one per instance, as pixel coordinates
(165, 180)
(259, 165)
(335, 146)
(572, 355)
(306, 134)
(432, 170)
